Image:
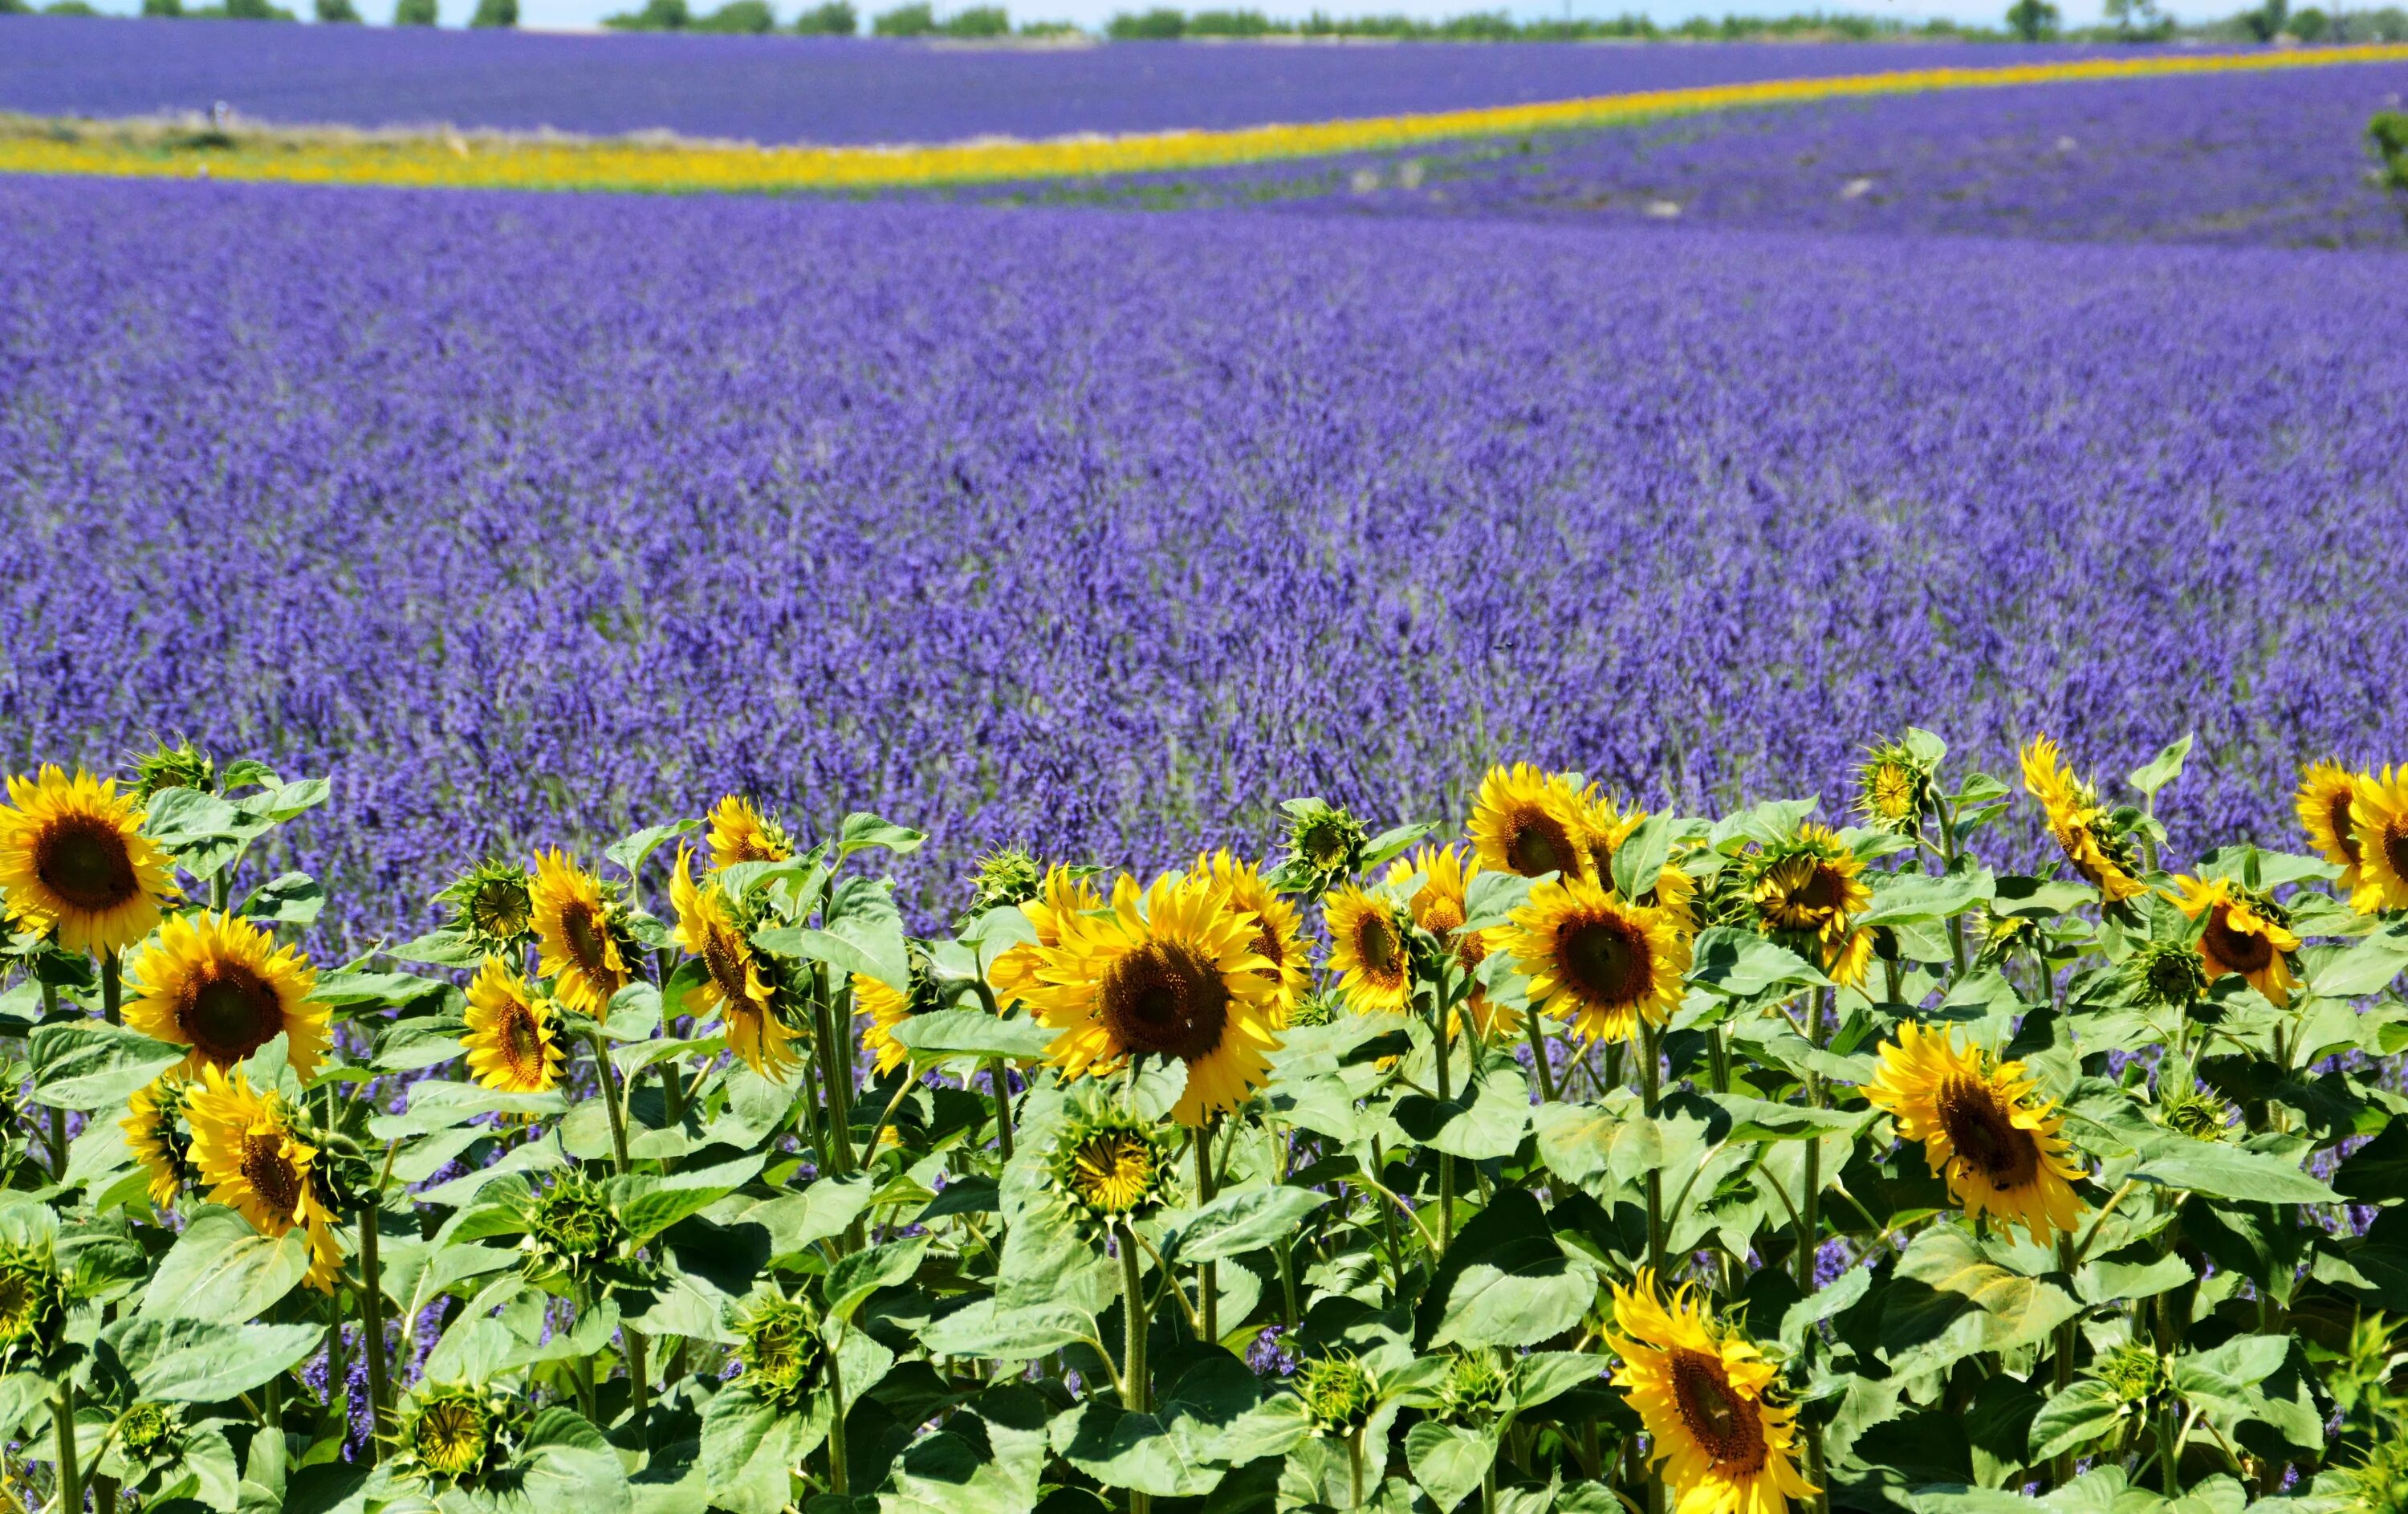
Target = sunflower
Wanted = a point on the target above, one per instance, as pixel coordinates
(574, 939)
(2241, 935)
(2001, 1149)
(1602, 961)
(1439, 906)
(495, 910)
(1171, 972)
(1808, 885)
(740, 833)
(151, 1136)
(1367, 951)
(888, 1008)
(221, 984)
(2101, 854)
(1604, 827)
(1066, 894)
(1530, 822)
(247, 1148)
(1279, 932)
(1701, 1389)
(73, 859)
(2327, 790)
(513, 1043)
(735, 983)
(1894, 789)
(2379, 814)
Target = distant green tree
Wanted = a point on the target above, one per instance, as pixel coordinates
(167, 9)
(15, 7)
(2266, 22)
(656, 16)
(1047, 28)
(914, 20)
(835, 19)
(2388, 131)
(977, 22)
(2310, 25)
(1160, 24)
(2033, 20)
(501, 14)
(414, 13)
(739, 18)
(337, 12)
(69, 8)
(1230, 24)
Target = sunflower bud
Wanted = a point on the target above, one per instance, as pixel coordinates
(181, 765)
(2166, 974)
(572, 1231)
(1475, 1389)
(33, 1301)
(1112, 1164)
(1325, 845)
(1894, 789)
(496, 911)
(1338, 1391)
(2200, 1115)
(1004, 877)
(150, 1430)
(1315, 1008)
(2132, 1373)
(452, 1435)
(784, 1358)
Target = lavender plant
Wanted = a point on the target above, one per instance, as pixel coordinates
(1608, 1158)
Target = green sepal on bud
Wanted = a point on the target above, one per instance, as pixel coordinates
(455, 1436)
(1339, 1392)
(1002, 878)
(149, 1432)
(495, 909)
(172, 765)
(1324, 847)
(1112, 1165)
(33, 1302)
(573, 1232)
(785, 1356)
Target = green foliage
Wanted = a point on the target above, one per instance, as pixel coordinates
(742, 18)
(414, 13)
(2388, 134)
(976, 22)
(655, 16)
(495, 14)
(2033, 20)
(837, 17)
(914, 20)
(337, 12)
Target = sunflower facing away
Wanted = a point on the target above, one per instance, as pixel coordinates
(151, 1136)
(1602, 962)
(2327, 790)
(221, 984)
(1604, 827)
(1169, 972)
(246, 1147)
(1529, 822)
(1439, 906)
(1701, 1387)
(734, 984)
(2103, 858)
(1811, 884)
(740, 833)
(2001, 1149)
(888, 1008)
(1367, 951)
(574, 941)
(1279, 930)
(2239, 935)
(73, 859)
(1067, 893)
(2380, 810)
(513, 1041)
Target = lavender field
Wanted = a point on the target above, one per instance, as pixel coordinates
(777, 89)
(1092, 530)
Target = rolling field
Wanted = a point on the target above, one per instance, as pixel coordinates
(1093, 531)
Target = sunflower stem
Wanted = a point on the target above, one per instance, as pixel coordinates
(112, 988)
(836, 1070)
(1947, 818)
(1136, 1388)
(1000, 1078)
(70, 1477)
(372, 1330)
(1538, 1038)
(1809, 1209)
(840, 1471)
(1650, 1092)
(1207, 1277)
(1446, 1160)
(1354, 1468)
(610, 1097)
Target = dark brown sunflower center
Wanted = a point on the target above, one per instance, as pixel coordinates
(82, 859)
(722, 956)
(2344, 828)
(583, 931)
(229, 1012)
(1606, 959)
(1538, 843)
(1824, 892)
(1725, 1425)
(2243, 951)
(1442, 919)
(1980, 1129)
(2394, 846)
(1165, 1000)
(522, 1040)
(1265, 945)
(1376, 942)
(271, 1173)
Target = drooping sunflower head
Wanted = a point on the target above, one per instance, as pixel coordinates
(513, 1040)
(1004, 877)
(2003, 935)
(1111, 1164)
(577, 934)
(572, 1230)
(1604, 964)
(1894, 787)
(2000, 1148)
(1169, 972)
(2166, 974)
(2241, 932)
(452, 1435)
(149, 1430)
(248, 1146)
(1368, 952)
(1706, 1395)
(154, 1137)
(738, 983)
(221, 984)
(74, 860)
(888, 1007)
(33, 1299)
(784, 1355)
(2379, 811)
(1339, 1392)
(495, 905)
(177, 764)
(2102, 854)
(1324, 847)
(740, 834)
(1530, 822)
(1279, 930)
